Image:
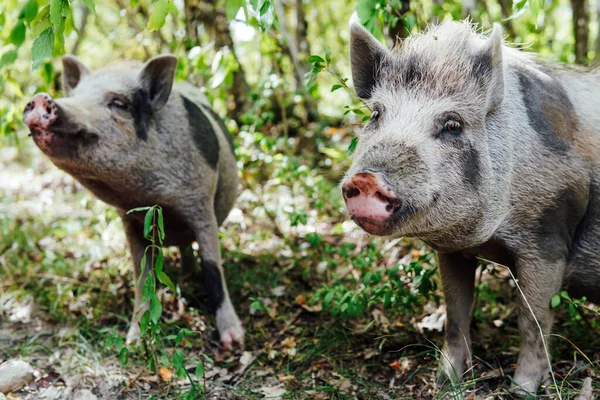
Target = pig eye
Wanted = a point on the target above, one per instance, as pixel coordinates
(451, 126)
(118, 104)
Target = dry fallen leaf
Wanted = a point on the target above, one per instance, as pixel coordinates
(395, 365)
(586, 390)
(165, 374)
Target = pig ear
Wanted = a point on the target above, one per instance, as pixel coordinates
(366, 54)
(156, 79)
(73, 72)
(490, 60)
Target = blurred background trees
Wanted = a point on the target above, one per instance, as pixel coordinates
(252, 56)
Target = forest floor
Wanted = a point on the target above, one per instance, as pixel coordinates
(328, 312)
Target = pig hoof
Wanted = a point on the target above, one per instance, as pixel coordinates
(230, 335)
(229, 327)
(450, 370)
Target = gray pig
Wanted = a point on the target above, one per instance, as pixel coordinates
(133, 138)
(483, 151)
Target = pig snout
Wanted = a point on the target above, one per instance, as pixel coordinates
(40, 112)
(368, 197)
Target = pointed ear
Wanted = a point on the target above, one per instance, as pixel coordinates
(489, 64)
(366, 53)
(156, 79)
(73, 72)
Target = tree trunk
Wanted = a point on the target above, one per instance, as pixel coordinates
(581, 22)
(217, 26)
(399, 31)
(290, 47)
(301, 28)
(506, 7)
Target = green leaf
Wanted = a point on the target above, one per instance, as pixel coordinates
(233, 6)
(155, 309)
(17, 35)
(335, 87)
(159, 15)
(124, 356)
(200, 371)
(57, 18)
(177, 359)
(534, 9)
(41, 22)
(8, 58)
(555, 300)
(179, 337)
(352, 146)
(158, 262)
(148, 223)
(165, 280)
(138, 209)
(29, 11)
(148, 289)
(90, 4)
(314, 58)
(161, 225)
(42, 48)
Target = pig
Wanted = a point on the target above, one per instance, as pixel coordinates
(481, 151)
(134, 138)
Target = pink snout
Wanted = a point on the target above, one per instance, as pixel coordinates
(367, 197)
(40, 112)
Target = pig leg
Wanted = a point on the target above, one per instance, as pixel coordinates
(137, 246)
(458, 279)
(207, 235)
(539, 280)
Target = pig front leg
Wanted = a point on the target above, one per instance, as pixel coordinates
(539, 280)
(137, 246)
(458, 279)
(228, 324)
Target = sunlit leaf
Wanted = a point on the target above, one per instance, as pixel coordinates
(233, 6)
(42, 47)
(90, 4)
(29, 11)
(8, 58)
(159, 15)
(17, 35)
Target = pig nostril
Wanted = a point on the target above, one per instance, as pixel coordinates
(48, 110)
(351, 192)
(383, 197)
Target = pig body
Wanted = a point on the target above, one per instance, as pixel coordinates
(481, 150)
(134, 139)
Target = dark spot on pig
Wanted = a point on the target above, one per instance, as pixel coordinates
(368, 61)
(413, 72)
(482, 64)
(470, 166)
(214, 284)
(202, 132)
(550, 112)
(221, 124)
(558, 224)
(141, 111)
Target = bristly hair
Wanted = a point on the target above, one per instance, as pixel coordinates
(441, 60)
